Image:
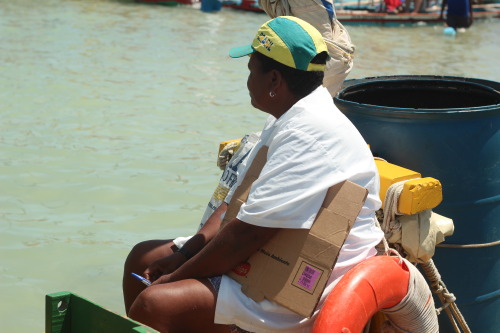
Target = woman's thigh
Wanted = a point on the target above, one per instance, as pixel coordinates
(181, 306)
(145, 253)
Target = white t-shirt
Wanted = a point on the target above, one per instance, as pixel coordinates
(311, 147)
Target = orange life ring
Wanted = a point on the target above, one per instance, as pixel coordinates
(377, 283)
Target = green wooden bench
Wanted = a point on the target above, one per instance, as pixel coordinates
(67, 312)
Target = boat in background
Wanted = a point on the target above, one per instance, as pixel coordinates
(248, 5)
(352, 13)
(374, 13)
(366, 17)
(169, 2)
(210, 5)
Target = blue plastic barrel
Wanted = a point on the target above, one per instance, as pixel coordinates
(446, 128)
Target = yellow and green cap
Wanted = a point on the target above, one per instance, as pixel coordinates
(288, 40)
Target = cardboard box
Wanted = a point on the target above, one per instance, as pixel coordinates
(293, 268)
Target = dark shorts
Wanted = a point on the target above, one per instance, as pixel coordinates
(215, 281)
(459, 21)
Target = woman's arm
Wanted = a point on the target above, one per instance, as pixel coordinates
(234, 243)
(172, 262)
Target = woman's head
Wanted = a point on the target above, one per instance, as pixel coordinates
(285, 50)
(300, 83)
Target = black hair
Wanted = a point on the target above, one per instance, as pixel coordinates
(301, 83)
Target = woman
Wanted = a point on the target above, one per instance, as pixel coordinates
(311, 146)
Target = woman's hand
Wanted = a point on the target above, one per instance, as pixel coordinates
(164, 266)
(163, 279)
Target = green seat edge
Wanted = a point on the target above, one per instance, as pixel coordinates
(59, 320)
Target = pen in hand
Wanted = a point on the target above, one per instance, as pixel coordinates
(143, 280)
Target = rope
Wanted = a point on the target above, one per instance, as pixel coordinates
(415, 312)
(384, 241)
(469, 246)
(447, 298)
(389, 225)
(389, 221)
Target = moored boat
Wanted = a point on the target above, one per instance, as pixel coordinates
(366, 16)
(248, 5)
(352, 14)
(169, 2)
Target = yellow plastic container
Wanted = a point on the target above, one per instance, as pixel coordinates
(418, 193)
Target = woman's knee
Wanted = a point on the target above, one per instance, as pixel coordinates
(143, 308)
(156, 306)
(170, 307)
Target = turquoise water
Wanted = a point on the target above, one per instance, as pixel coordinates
(111, 114)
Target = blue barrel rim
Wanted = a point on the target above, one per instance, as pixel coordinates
(490, 83)
(489, 87)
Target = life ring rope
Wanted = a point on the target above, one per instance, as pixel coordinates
(447, 298)
(416, 311)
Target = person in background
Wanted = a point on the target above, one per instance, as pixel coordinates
(311, 147)
(393, 6)
(417, 4)
(321, 15)
(458, 13)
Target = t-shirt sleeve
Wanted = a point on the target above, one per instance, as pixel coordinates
(292, 184)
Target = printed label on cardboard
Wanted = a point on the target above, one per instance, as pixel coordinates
(307, 277)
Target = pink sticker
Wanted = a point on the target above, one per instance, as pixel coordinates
(308, 278)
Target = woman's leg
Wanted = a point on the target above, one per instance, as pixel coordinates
(181, 306)
(141, 256)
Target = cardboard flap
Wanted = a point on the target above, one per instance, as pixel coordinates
(325, 241)
(344, 198)
(241, 193)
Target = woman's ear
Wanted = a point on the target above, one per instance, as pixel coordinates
(276, 79)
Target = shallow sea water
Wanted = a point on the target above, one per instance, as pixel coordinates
(110, 117)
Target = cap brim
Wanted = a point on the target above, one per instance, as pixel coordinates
(238, 52)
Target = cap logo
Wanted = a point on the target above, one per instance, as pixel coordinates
(265, 41)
